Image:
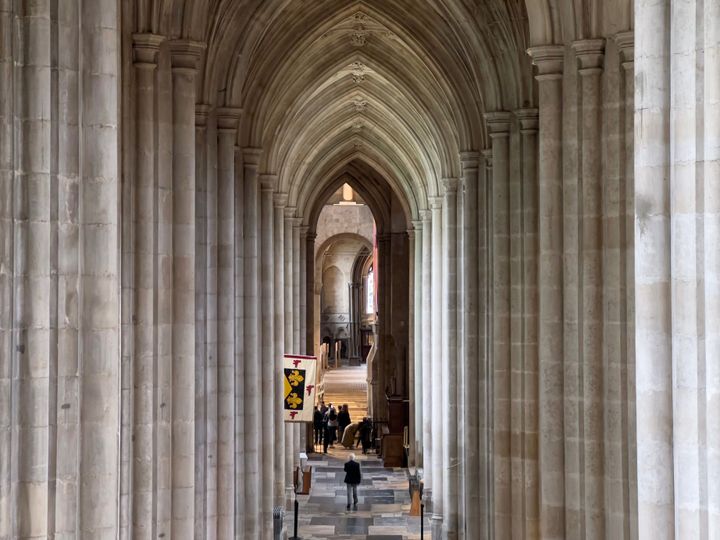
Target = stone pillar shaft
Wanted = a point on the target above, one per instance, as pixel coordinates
(269, 405)
(146, 267)
(549, 60)
(470, 360)
(299, 436)
(416, 293)
(253, 373)
(499, 125)
(227, 133)
(183, 57)
(427, 357)
(288, 305)
(280, 348)
(450, 372)
(438, 418)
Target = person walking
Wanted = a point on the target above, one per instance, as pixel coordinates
(353, 477)
(365, 434)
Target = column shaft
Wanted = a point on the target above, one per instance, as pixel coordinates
(438, 417)
(227, 126)
(472, 353)
(501, 370)
(269, 406)
(416, 292)
(184, 55)
(299, 434)
(280, 349)
(253, 363)
(288, 298)
(549, 60)
(450, 373)
(146, 268)
(427, 357)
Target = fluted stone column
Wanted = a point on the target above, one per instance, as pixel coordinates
(305, 345)
(416, 292)
(450, 372)
(589, 54)
(145, 451)
(289, 256)
(280, 314)
(427, 357)
(525, 424)
(253, 362)
(549, 62)
(438, 418)
(267, 349)
(201, 321)
(184, 56)
(470, 362)
(310, 290)
(227, 123)
(499, 128)
(677, 267)
(299, 433)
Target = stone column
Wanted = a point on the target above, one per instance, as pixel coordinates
(280, 315)
(676, 268)
(625, 45)
(310, 291)
(411, 348)
(304, 342)
(438, 418)
(528, 485)
(299, 436)
(499, 128)
(485, 379)
(267, 349)
(549, 62)
(184, 56)
(590, 56)
(416, 293)
(145, 50)
(7, 268)
(253, 363)
(450, 375)
(201, 320)
(227, 124)
(288, 342)
(470, 361)
(427, 356)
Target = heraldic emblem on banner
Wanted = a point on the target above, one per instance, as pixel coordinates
(299, 375)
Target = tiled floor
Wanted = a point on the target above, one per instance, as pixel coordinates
(382, 512)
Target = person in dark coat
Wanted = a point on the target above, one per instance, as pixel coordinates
(317, 425)
(365, 434)
(343, 420)
(353, 477)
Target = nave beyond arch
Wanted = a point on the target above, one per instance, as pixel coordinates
(543, 175)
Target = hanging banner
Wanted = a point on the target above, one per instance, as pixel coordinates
(299, 382)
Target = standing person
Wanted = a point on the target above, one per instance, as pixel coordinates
(317, 425)
(325, 429)
(365, 434)
(343, 421)
(353, 477)
(332, 424)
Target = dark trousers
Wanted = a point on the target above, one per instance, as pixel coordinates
(318, 434)
(326, 438)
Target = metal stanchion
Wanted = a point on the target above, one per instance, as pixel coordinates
(422, 520)
(295, 521)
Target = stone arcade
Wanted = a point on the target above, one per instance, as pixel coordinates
(547, 170)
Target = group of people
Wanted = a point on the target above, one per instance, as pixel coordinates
(331, 425)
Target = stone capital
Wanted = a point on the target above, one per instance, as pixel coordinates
(435, 203)
(487, 154)
(251, 156)
(498, 123)
(290, 212)
(450, 185)
(549, 60)
(228, 118)
(184, 55)
(590, 54)
(146, 48)
(268, 182)
(625, 42)
(426, 215)
(469, 159)
(528, 120)
(296, 222)
(201, 114)
(417, 224)
(280, 200)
